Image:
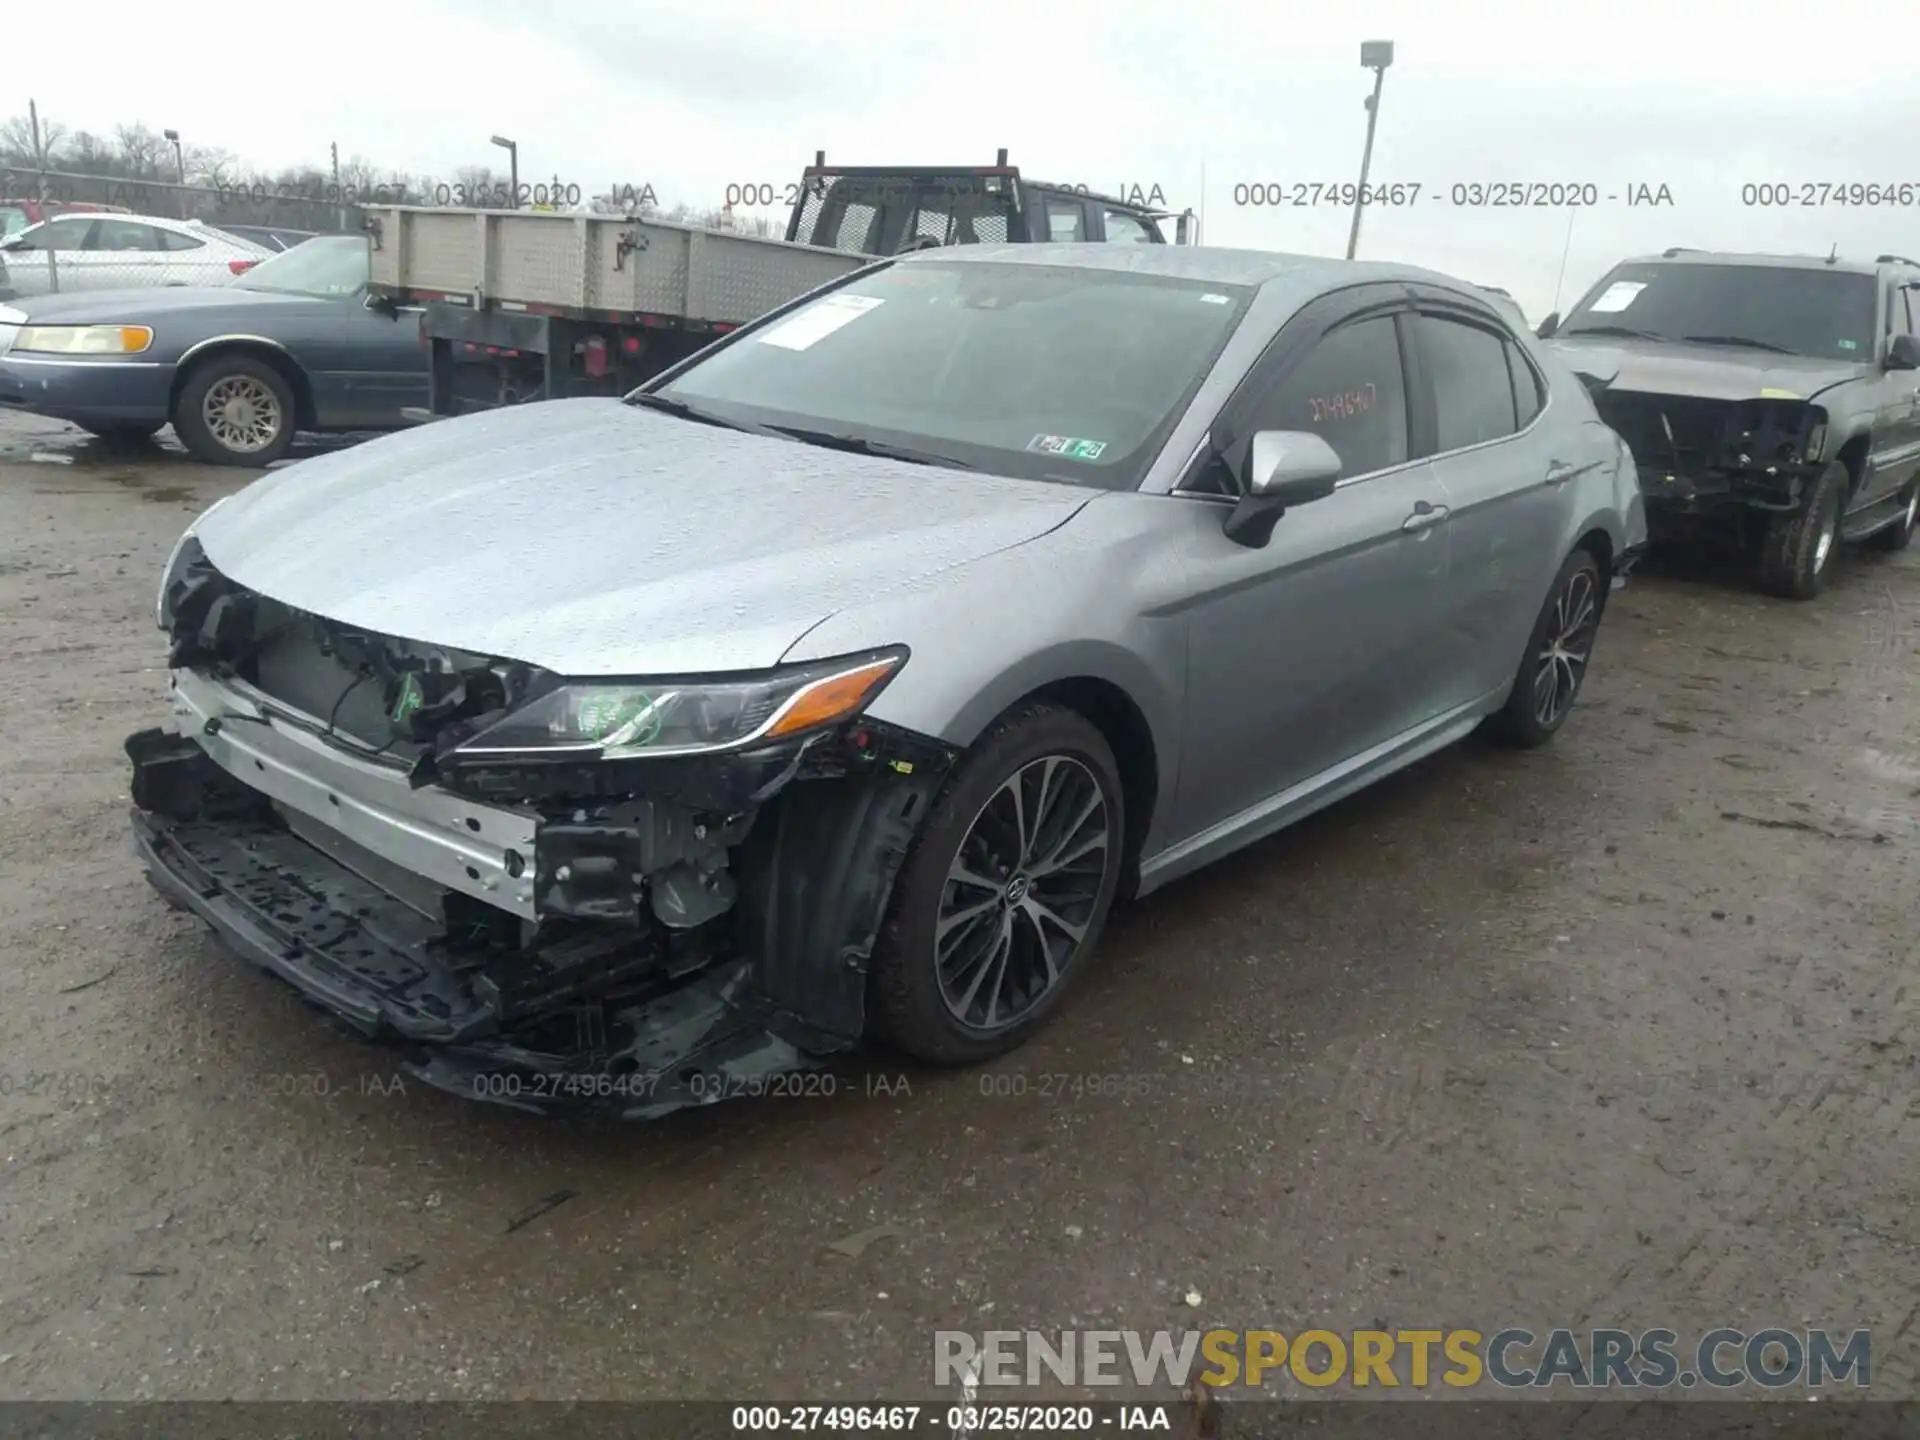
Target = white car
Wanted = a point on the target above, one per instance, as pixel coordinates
(116, 252)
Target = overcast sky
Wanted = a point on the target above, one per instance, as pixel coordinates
(1698, 97)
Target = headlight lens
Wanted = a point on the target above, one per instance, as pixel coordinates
(83, 339)
(685, 717)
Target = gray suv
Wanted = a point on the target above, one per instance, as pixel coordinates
(1772, 397)
(635, 752)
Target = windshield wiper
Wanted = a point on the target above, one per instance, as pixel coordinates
(859, 445)
(689, 412)
(1627, 330)
(1745, 340)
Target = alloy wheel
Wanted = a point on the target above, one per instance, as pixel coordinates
(1021, 892)
(241, 413)
(1562, 662)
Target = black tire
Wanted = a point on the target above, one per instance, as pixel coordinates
(1898, 535)
(1568, 625)
(1799, 550)
(911, 1006)
(251, 379)
(123, 437)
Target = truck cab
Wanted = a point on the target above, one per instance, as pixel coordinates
(889, 210)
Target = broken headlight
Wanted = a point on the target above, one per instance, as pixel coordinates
(185, 550)
(628, 720)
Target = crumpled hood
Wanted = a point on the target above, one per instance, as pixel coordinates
(591, 537)
(1708, 372)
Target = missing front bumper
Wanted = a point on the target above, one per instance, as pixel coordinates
(564, 1014)
(667, 1042)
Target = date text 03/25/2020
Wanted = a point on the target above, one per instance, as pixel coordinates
(1462, 194)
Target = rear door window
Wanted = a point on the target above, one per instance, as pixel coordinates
(124, 235)
(1473, 396)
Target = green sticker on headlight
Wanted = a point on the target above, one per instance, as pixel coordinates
(620, 711)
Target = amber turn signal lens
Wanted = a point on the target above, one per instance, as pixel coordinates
(833, 698)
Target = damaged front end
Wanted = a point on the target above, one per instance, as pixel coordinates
(624, 897)
(1699, 456)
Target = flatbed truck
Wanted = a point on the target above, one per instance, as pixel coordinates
(520, 305)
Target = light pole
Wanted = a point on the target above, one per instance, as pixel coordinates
(179, 167)
(1375, 55)
(513, 167)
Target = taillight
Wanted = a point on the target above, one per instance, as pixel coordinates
(595, 356)
(240, 267)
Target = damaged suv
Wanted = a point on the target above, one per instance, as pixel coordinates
(1775, 398)
(633, 753)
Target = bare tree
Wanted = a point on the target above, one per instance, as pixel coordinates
(144, 153)
(212, 166)
(16, 140)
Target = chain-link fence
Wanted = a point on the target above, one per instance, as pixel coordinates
(62, 232)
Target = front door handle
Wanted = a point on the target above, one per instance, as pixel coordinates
(1559, 472)
(1424, 517)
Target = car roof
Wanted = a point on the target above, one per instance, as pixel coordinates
(1679, 256)
(1198, 262)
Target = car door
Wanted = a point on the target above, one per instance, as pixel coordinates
(124, 253)
(383, 366)
(1896, 419)
(1310, 651)
(50, 257)
(1480, 414)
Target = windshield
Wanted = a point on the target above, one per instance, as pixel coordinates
(1828, 314)
(328, 266)
(1042, 371)
(12, 220)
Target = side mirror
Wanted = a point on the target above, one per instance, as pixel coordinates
(1548, 326)
(1284, 468)
(383, 305)
(1903, 353)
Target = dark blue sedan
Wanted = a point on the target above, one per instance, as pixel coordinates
(294, 344)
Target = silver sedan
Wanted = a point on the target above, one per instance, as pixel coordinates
(837, 682)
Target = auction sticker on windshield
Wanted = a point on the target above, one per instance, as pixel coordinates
(1066, 445)
(1617, 296)
(816, 322)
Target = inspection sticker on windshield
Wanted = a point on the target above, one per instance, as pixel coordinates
(1066, 445)
(819, 320)
(1617, 296)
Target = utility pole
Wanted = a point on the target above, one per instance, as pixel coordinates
(339, 195)
(1375, 55)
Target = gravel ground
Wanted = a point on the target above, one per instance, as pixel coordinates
(1619, 1032)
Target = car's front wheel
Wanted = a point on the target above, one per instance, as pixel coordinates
(235, 410)
(1799, 550)
(1003, 897)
